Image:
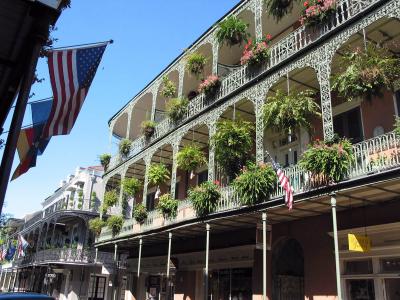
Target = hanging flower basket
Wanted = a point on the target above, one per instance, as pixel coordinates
(177, 108)
(190, 157)
(205, 198)
(316, 12)
(256, 54)
(167, 206)
(232, 31)
(169, 88)
(148, 128)
(210, 86)
(158, 174)
(195, 63)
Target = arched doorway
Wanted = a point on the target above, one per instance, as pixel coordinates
(288, 271)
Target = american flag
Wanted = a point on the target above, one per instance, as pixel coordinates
(22, 245)
(3, 252)
(71, 73)
(284, 183)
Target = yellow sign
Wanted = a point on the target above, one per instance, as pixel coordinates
(359, 243)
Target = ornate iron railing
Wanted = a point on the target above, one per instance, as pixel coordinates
(280, 51)
(371, 156)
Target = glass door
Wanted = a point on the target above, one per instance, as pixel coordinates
(392, 288)
(97, 287)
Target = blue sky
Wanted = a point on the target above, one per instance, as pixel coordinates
(148, 35)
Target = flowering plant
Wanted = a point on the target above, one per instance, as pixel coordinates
(329, 161)
(317, 11)
(256, 52)
(255, 183)
(209, 85)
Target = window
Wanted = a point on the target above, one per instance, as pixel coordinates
(150, 201)
(358, 267)
(348, 124)
(202, 177)
(397, 99)
(361, 289)
(390, 265)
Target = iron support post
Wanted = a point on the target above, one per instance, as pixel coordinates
(336, 243)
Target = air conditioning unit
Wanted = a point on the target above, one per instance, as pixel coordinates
(259, 237)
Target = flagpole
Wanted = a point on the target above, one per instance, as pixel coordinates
(15, 127)
(82, 45)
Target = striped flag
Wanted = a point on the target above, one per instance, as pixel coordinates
(3, 252)
(22, 245)
(284, 183)
(71, 73)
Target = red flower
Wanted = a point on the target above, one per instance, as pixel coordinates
(306, 4)
(216, 182)
(269, 37)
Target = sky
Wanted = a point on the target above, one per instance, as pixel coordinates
(147, 36)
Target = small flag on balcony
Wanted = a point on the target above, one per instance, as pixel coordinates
(283, 182)
(22, 245)
(158, 193)
(3, 252)
(71, 74)
(10, 252)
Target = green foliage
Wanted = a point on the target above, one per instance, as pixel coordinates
(176, 108)
(328, 161)
(105, 161)
(148, 128)
(233, 142)
(110, 198)
(167, 206)
(139, 213)
(80, 199)
(131, 186)
(195, 63)
(278, 8)
(95, 225)
(284, 112)
(169, 88)
(366, 72)
(158, 174)
(255, 183)
(232, 31)
(190, 157)
(125, 147)
(93, 200)
(397, 126)
(204, 198)
(115, 223)
(316, 12)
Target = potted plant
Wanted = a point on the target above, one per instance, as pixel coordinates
(115, 223)
(232, 31)
(328, 162)
(167, 206)
(366, 72)
(105, 161)
(204, 198)
(255, 183)
(256, 53)
(148, 128)
(316, 12)
(95, 225)
(190, 157)
(278, 8)
(195, 63)
(233, 142)
(158, 174)
(210, 86)
(177, 108)
(125, 146)
(110, 199)
(131, 186)
(286, 112)
(169, 88)
(140, 213)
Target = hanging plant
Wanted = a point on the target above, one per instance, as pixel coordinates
(105, 161)
(278, 8)
(115, 223)
(204, 198)
(232, 31)
(110, 199)
(233, 142)
(140, 213)
(316, 12)
(169, 88)
(125, 146)
(131, 186)
(195, 63)
(256, 52)
(328, 161)
(255, 183)
(210, 85)
(148, 128)
(286, 112)
(190, 157)
(177, 108)
(158, 174)
(366, 72)
(167, 206)
(95, 225)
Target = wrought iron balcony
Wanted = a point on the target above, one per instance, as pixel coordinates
(281, 51)
(67, 256)
(370, 157)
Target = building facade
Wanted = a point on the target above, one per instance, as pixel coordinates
(60, 259)
(265, 251)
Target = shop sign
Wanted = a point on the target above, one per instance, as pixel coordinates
(359, 243)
